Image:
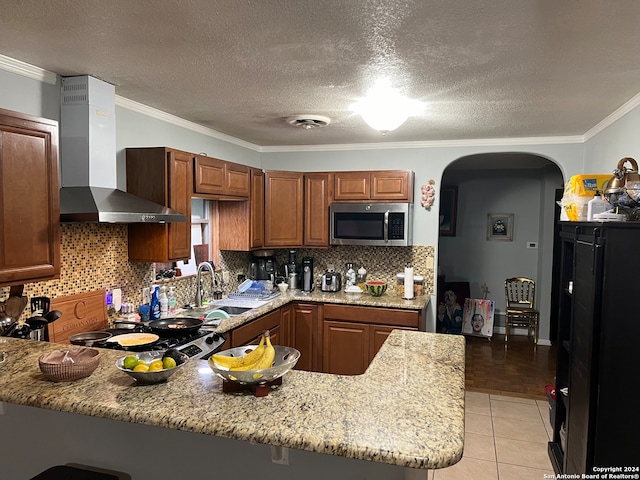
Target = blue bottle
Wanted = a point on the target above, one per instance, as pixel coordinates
(154, 313)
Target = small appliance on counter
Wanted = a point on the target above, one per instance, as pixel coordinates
(263, 265)
(307, 274)
(331, 281)
(293, 271)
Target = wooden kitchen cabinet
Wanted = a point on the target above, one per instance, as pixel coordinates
(250, 333)
(30, 204)
(378, 185)
(303, 335)
(220, 179)
(352, 335)
(596, 398)
(241, 223)
(164, 176)
(284, 208)
(318, 195)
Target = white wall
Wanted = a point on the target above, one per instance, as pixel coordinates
(619, 140)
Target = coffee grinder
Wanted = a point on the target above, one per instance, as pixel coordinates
(307, 274)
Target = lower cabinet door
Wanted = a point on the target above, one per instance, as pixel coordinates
(304, 323)
(345, 348)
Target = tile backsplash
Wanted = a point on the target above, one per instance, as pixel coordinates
(94, 257)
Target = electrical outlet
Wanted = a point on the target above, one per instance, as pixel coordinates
(429, 262)
(225, 276)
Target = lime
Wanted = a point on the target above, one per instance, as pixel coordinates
(141, 367)
(168, 362)
(130, 362)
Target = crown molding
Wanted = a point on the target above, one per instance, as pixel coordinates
(613, 117)
(181, 122)
(488, 142)
(16, 66)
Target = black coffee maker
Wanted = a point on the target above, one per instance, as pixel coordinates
(263, 266)
(306, 282)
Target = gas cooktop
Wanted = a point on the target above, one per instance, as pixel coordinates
(200, 344)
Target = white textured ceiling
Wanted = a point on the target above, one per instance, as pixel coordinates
(486, 69)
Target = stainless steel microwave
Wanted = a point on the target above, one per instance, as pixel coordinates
(377, 224)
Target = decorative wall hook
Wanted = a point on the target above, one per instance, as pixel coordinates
(428, 194)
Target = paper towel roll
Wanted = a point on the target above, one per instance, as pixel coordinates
(408, 283)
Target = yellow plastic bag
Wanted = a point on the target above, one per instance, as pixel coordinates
(577, 193)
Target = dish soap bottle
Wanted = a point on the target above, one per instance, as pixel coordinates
(172, 301)
(154, 312)
(164, 302)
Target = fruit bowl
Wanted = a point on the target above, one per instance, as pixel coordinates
(376, 289)
(70, 364)
(156, 376)
(286, 358)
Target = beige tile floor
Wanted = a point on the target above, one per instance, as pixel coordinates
(505, 439)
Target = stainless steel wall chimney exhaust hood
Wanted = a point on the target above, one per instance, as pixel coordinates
(89, 190)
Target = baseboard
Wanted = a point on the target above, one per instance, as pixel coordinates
(523, 332)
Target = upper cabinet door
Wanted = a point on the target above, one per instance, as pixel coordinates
(209, 175)
(352, 186)
(395, 185)
(283, 209)
(180, 188)
(318, 195)
(29, 199)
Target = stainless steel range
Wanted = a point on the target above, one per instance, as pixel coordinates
(200, 344)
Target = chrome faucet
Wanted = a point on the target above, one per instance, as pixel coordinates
(199, 289)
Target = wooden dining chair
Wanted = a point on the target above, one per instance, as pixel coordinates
(520, 299)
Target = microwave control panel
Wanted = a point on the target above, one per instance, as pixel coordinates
(396, 226)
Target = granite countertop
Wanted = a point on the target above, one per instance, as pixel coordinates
(407, 409)
(388, 300)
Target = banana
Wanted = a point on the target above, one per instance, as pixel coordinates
(233, 363)
(269, 355)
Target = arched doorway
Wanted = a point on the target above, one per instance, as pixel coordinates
(522, 186)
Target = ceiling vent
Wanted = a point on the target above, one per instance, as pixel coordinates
(308, 121)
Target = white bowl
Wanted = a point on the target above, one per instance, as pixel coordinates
(283, 287)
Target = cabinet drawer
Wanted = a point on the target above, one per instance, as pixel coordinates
(373, 315)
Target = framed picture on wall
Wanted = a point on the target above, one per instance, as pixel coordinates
(448, 211)
(500, 227)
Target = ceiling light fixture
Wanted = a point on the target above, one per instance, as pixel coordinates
(384, 108)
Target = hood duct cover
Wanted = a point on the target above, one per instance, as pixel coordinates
(89, 190)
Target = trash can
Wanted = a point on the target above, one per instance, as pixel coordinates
(74, 471)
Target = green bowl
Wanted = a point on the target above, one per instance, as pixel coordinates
(376, 289)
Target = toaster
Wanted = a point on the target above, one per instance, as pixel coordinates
(331, 282)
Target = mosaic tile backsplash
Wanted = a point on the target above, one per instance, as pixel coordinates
(94, 257)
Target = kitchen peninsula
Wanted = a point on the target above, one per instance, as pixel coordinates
(405, 414)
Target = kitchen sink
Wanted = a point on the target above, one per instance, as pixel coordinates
(231, 310)
(199, 312)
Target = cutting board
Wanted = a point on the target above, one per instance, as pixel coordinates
(83, 312)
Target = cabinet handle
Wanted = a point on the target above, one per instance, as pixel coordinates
(386, 226)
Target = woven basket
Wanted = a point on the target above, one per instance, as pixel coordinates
(69, 365)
